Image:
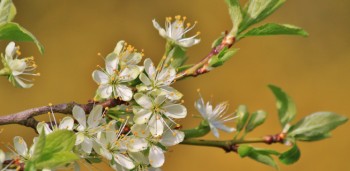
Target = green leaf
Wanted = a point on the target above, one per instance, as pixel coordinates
(243, 115)
(316, 126)
(275, 29)
(7, 11)
(39, 145)
(258, 10)
(255, 120)
(291, 156)
(218, 41)
(222, 57)
(29, 166)
(52, 160)
(184, 67)
(285, 105)
(14, 32)
(244, 150)
(235, 14)
(59, 140)
(267, 151)
(263, 158)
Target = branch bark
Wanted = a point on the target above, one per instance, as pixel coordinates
(26, 117)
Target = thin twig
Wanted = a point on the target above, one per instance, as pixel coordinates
(26, 118)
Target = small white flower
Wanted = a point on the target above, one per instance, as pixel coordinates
(175, 31)
(127, 54)
(112, 81)
(159, 81)
(16, 68)
(156, 154)
(66, 123)
(156, 112)
(87, 129)
(215, 117)
(112, 146)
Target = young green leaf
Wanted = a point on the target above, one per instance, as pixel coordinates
(53, 160)
(291, 156)
(39, 145)
(58, 141)
(316, 126)
(242, 113)
(235, 14)
(14, 32)
(258, 10)
(7, 11)
(244, 150)
(263, 158)
(275, 29)
(255, 120)
(178, 57)
(285, 105)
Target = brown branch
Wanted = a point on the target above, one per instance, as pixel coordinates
(202, 66)
(26, 118)
(232, 145)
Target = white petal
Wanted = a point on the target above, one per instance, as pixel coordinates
(188, 42)
(2, 157)
(156, 156)
(105, 90)
(100, 77)
(124, 92)
(166, 76)
(19, 83)
(20, 146)
(145, 80)
(133, 58)
(80, 138)
(170, 138)
(45, 126)
(129, 73)
(140, 130)
(200, 106)
(159, 100)
(124, 161)
(139, 157)
(156, 126)
(67, 123)
(141, 115)
(150, 69)
(161, 31)
(214, 130)
(137, 144)
(119, 47)
(112, 62)
(87, 145)
(143, 100)
(17, 66)
(95, 116)
(10, 50)
(223, 127)
(175, 110)
(171, 93)
(79, 115)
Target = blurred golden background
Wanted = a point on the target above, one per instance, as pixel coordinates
(314, 71)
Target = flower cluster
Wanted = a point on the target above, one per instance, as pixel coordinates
(17, 69)
(137, 134)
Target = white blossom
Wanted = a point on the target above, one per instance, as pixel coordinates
(156, 111)
(159, 82)
(215, 117)
(16, 68)
(87, 129)
(176, 30)
(113, 79)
